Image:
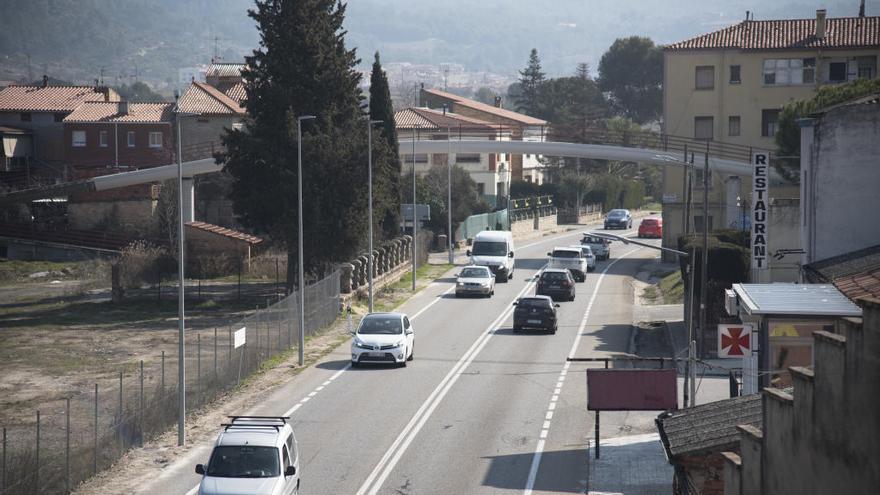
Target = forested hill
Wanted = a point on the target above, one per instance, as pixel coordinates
(150, 39)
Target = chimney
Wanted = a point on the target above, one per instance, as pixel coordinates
(820, 23)
(862, 9)
(45, 80)
(498, 102)
(747, 15)
(104, 90)
(123, 107)
(444, 109)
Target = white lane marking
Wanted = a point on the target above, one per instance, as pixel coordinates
(539, 448)
(194, 490)
(435, 301)
(377, 477)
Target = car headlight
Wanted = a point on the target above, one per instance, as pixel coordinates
(400, 344)
(485, 284)
(460, 284)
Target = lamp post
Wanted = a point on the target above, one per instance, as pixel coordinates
(689, 392)
(414, 213)
(302, 291)
(181, 320)
(370, 207)
(449, 196)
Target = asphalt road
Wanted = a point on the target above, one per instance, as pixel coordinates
(479, 410)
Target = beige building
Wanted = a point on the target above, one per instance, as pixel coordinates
(729, 86)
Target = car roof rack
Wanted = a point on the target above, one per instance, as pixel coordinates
(276, 422)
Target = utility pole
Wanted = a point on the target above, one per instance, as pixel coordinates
(449, 195)
(414, 213)
(705, 258)
(181, 330)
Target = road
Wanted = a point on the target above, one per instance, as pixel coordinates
(479, 410)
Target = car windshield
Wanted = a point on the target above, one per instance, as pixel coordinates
(380, 325)
(559, 253)
(533, 303)
(244, 461)
(554, 276)
(475, 273)
(616, 213)
(489, 248)
(586, 251)
(593, 240)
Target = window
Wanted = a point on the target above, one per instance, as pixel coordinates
(237, 126)
(481, 188)
(79, 139)
(704, 128)
(527, 178)
(705, 77)
(733, 125)
(837, 72)
(285, 458)
(25, 116)
(155, 140)
(781, 71)
(867, 67)
(420, 158)
(735, 77)
(769, 122)
(291, 446)
(698, 223)
(467, 158)
(698, 178)
(130, 139)
(102, 139)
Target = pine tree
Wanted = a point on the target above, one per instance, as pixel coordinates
(302, 68)
(388, 179)
(531, 80)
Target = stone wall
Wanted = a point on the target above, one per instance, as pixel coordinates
(390, 260)
(822, 437)
(128, 217)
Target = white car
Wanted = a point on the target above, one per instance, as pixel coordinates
(383, 338)
(253, 455)
(569, 259)
(587, 252)
(475, 280)
(494, 249)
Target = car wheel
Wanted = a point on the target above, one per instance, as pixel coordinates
(553, 330)
(412, 353)
(354, 364)
(516, 329)
(402, 364)
(571, 297)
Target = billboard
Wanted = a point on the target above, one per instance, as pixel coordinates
(631, 389)
(760, 207)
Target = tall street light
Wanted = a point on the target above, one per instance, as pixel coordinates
(689, 391)
(449, 196)
(414, 213)
(370, 124)
(181, 321)
(302, 291)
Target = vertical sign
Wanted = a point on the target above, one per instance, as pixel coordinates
(240, 337)
(760, 164)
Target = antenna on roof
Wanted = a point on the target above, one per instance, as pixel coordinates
(862, 9)
(747, 15)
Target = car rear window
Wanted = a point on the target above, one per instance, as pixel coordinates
(534, 303)
(554, 276)
(649, 221)
(566, 254)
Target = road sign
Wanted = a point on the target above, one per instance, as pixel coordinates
(631, 389)
(734, 341)
(240, 336)
(760, 208)
(423, 211)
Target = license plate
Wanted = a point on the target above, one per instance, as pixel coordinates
(535, 322)
(554, 286)
(376, 354)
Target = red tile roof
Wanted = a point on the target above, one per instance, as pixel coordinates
(864, 284)
(17, 98)
(235, 91)
(138, 113)
(498, 112)
(425, 118)
(224, 70)
(841, 32)
(216, 229)
(205, 99)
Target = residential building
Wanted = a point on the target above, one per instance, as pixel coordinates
(33, 118)
(491, 171)
(840, 179)
(821, 435)
(109, 137)
(729, 86)
(522, 127)
(227, 78)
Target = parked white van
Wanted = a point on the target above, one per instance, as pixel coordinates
(495, 250)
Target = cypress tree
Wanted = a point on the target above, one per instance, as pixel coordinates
(301, 67)
(381, 108)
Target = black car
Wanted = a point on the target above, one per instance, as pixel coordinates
(556, 283)
(535, 312)
(618, 219)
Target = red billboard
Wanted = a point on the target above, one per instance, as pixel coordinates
(631, 389)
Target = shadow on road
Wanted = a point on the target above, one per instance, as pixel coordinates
(561, 471)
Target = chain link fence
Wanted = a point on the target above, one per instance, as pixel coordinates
(78, 436)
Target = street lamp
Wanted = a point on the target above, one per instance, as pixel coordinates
(302, 292)
(689, 391)
(449, 195)
(370, 201)
(181, 321)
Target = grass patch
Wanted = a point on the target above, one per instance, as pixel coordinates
(669, 290)
(20, 271)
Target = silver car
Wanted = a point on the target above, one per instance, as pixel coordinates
(475, 280)
(587, 252)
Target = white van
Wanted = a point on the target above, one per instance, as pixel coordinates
(494, 249)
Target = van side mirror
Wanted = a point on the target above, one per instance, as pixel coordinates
(468, 252)
(200, 469)
(290, 471)
(510, 254)
(549, 253)
(556, 305)
(515, 304)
